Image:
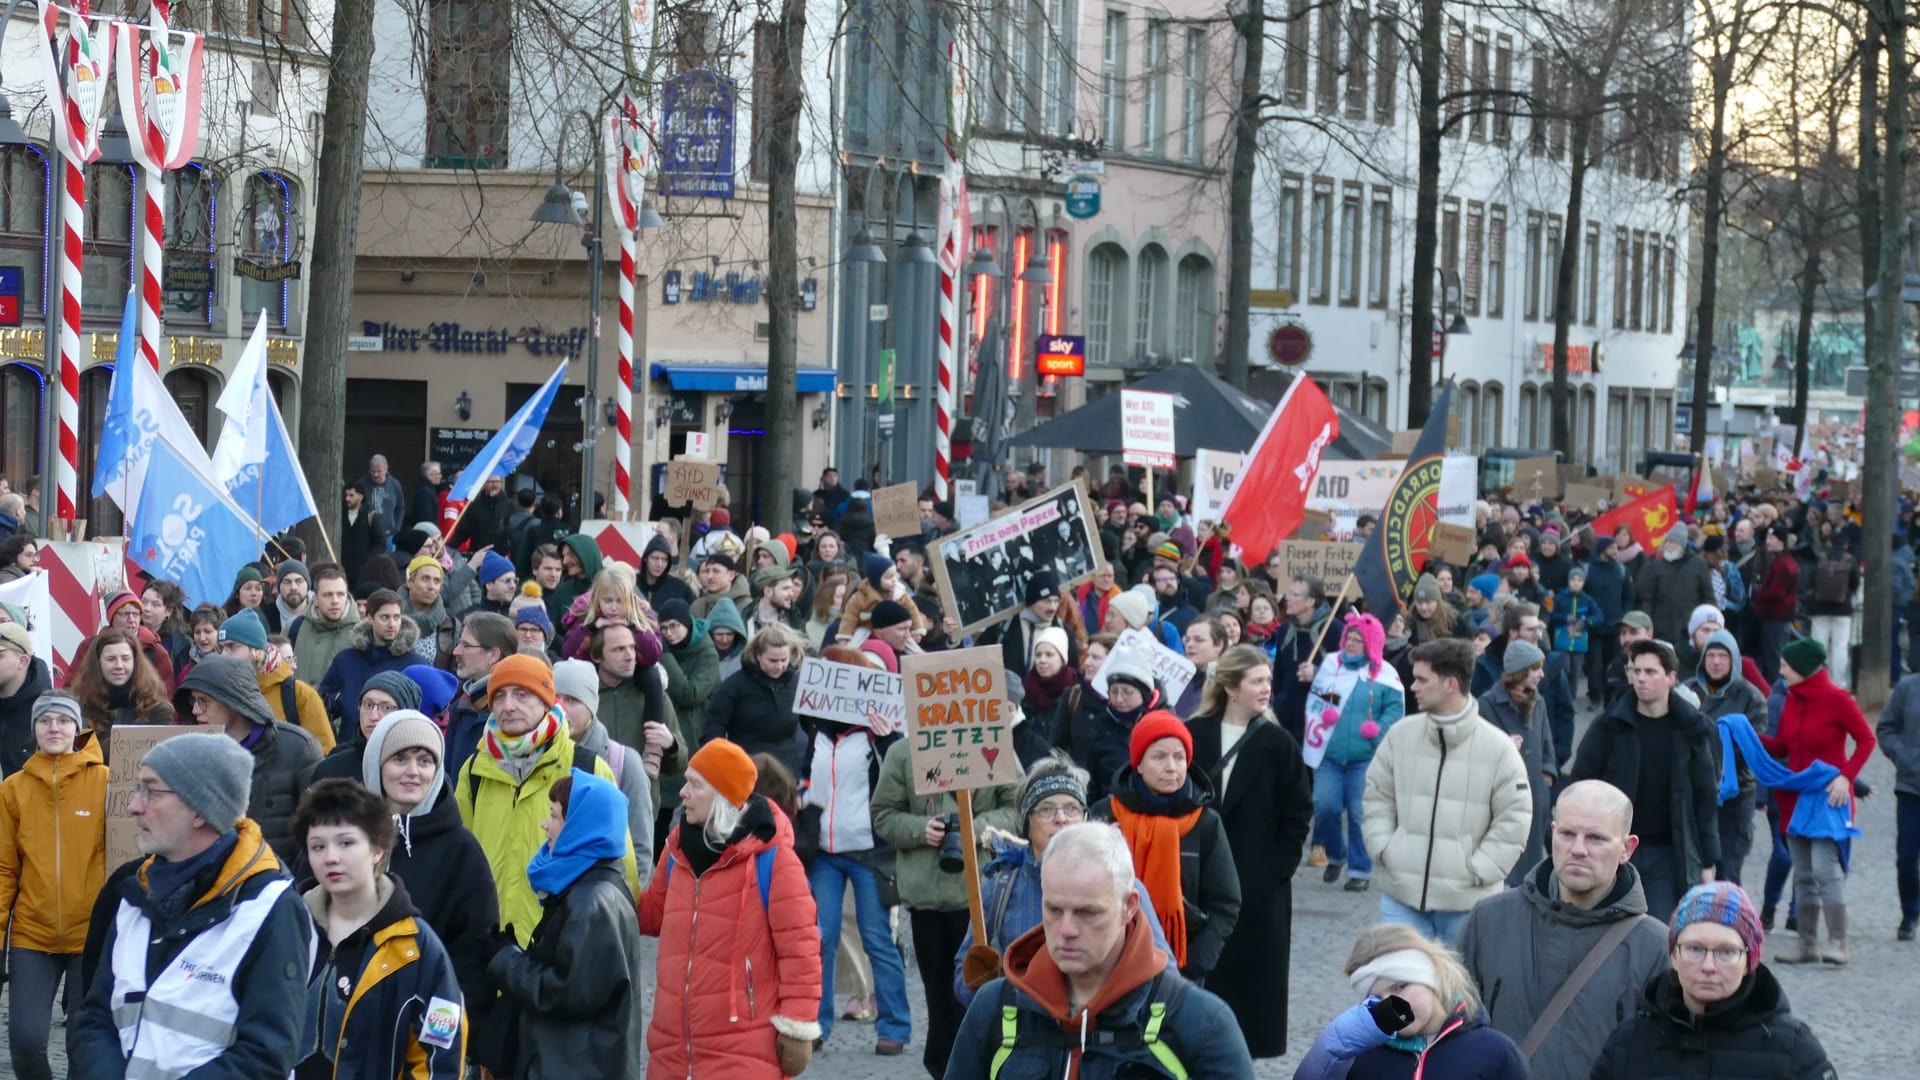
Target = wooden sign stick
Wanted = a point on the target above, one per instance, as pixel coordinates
(976, 916)
(1328, 625)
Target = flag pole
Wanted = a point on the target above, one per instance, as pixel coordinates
(1325, 626)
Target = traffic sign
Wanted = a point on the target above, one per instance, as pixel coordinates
(12, 280)
(1289, 344)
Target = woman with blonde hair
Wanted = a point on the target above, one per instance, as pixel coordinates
(1264, 796)
(614, 598)
(1420, 1015)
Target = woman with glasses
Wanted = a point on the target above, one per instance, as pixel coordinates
(1719, 1011)
(387, 692)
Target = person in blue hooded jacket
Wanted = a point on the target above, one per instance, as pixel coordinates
(1726, 697)
(1354, 698)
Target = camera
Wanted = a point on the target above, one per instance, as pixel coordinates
(953, 855)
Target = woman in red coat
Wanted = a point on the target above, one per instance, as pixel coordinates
(1815, 724)
(738, 984)
(1776, 596)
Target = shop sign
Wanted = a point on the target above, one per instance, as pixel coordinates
(12, 280)
(1061, 354)
(195, 350)
(732, 288)
(283, 352)
(259, 271)
(1289, 344)
(696, 135)
(23, 345)
(670, 287)
(809, 294)
(451, 337)
(1579, 358)
(683, 409)
(1083, 197)
(188, 274)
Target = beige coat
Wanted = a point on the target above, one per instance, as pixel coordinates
(1459, 789)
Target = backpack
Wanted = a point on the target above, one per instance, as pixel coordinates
(762, 873)
(1017, 1029)
(1833, 578)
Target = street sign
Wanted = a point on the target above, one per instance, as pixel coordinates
(1083, 197)
(1061, 354)
(1289, 344)
(1146, 429)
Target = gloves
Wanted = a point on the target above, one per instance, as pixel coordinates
(794, 1054)
(1354, 1031)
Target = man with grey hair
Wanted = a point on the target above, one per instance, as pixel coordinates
(1532, 943)
(426, 496)
(1091, 967)
(384, 498)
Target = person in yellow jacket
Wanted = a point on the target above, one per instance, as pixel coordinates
(502, 790)
(244, 637)
(53, 854)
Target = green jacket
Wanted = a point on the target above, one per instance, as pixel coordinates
(572, 588)
(693, 672)
(900, 818)
(316, 642)
(623, 709)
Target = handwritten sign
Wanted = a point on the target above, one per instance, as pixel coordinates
(1171, 670)
(847, 693)
(970, 510)
(1325, 561)
(1146, 429)
(1589, 498)
(1451, 544)
(896, 511)
(959, 722)
(127, 746)
(1214, 474)
(696, 482)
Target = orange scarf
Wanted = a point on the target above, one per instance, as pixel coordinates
(1155, 842)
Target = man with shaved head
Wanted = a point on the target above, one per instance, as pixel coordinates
(1584, 899)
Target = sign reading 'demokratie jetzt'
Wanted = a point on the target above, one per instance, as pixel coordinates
(959, 721)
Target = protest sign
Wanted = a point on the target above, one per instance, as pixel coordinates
(1353, 487)
(970, 510)
(847, 693)
(1403, 442)
(1214, 474)
(1171, 670)
(1588, 498)
(982, 572)
(1313, 526)
(896, 511)
(1535, 480)
(1572, 473)
(696, 482)
(1328, 562)
(127, 746)
(1146, 429)
(33, 594)
(1839, 491)
(1451, 544)
(959, 721)
(1459, 488)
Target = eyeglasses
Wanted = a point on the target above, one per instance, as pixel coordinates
(145, 792)
(377, 708)
(1724, 955)
(1065, 812)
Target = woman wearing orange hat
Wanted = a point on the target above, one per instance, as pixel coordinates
(1179, 846)
(741, 998)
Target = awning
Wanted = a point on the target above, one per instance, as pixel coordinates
(736, 378)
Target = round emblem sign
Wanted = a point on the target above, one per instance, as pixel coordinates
(1083, 197)
(1289, 344)
(1409, 519)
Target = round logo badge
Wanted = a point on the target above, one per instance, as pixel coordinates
(1413, 502)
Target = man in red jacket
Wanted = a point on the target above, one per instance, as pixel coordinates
(1775, 596)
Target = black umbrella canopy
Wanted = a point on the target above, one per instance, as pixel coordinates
(1208, 414)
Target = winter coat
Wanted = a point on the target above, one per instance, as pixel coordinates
(362, 533)
(310, 715)
(1751, 1035)
(736, 968)
(1497, 707)
(283, 763)
(16, 718)
(1291, 646)
(1815, 725)
(1103, 1040)
(439, 631)
(447, 877)
(1612, 589)
(1096, 735)
(738, 592)
(1447, 811)
(756, 712)
(1465, 1049)
(404, 1015)
(1737, 697)
(1266, 806)
(425, 505)
(579, 627)
(1611, 751)
(1522, 944)
(693, 672)
(840, 773)
(570, 589)
(856, 612)
(1776, 596)
(361, 660)
(1209, 884)
(1670, 590)
(1574, 618)
(1360, 698)
(385, 498)
(53, 847)
(316, 641)
(1899, 734)
(725, 616)
(900, 818)
(484, 523)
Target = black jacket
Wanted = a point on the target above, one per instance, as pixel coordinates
(283, 764)
(1209, 885)
(757, 713)
(447, 875)
(16, 718)
(1096, 736)
(1669, 591)
(577, 988)
(425, 506)
(1751, 1035)
(484, 523)
(1611, 751)
(359, 539)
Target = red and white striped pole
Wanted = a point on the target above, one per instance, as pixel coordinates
(160, 93)
(153, 230)
(66, 387)
(953, 232)
(623, 391)
(627, 164)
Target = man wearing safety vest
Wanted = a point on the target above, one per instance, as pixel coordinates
(198, 955)
(1086, 994)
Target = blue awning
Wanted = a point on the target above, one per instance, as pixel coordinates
(737, 378)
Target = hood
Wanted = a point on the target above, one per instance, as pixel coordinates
(395, 905)
(1030, 970)
(360, 638)
(696, 636)
(658, 543)
(1724, 640)
(85, 755)
(595, 831)
(319, 622)
(587, 550)
(1372, 634)
(269, 680)
(1626, 899)
(1758, 1000)
(725, 616)
(374, 755)
(37, 682)
(231, 682)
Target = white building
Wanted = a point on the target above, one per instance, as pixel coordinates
(1334, 222)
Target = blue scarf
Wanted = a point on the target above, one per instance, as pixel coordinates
(595, 831)
(1812, 817)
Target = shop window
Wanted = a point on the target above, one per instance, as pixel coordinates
(108, 271)
(189, 277)
(267, 232)
(20, 392)
(25, 195)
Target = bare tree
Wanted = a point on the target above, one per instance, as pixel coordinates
(783, 261)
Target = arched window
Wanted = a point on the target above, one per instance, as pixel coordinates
(1149, 288)
(24, 227)
(1193, 310)
(20, 393)
(284, 397)
(1583, 424)
(1469, 425)
(1492, 400)
(267, 229)
(108, 271)
(1106, 284)
(1529, 413)
(1374, 400)
(189, 277)
(193, 392)
(103, 517)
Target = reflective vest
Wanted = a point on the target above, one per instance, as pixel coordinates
(185, 1017)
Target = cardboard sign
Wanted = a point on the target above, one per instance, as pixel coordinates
(970, 510)
(1353, 487)
(848, 693)
(1171, 670)
(1839, 491)
(1328, 562)
(1214, 474)
(1536, 480)
(696, 482)
(1451, 544)
(1146, 429)
(1572, 473)
(1313, 526)
(896, 511)
(959, 721)
(982, 572)
(127, 746)
(1588, 498)
(1404, 442)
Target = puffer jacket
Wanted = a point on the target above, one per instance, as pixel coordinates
(505, 817)
(756, 712)
(1370, 692)
(842, 770)
(1446, 812)
(53, 847)
(310, 713)
(361, 660)
(1522, 944)
(1751, 1035)
(857, 612)
(736, 968)
(900, 818)
(316, 641)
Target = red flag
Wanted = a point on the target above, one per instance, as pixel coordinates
(1649, 518)
(1270, 499)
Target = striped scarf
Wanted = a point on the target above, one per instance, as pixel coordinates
(514, 751)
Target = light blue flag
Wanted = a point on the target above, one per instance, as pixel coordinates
(119, 433)
(511, 444)
(187, 531)
(276, 487)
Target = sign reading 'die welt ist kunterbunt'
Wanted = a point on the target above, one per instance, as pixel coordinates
(959, 721)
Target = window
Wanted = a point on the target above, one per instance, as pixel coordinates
(1583, 423)
(1530, 290)
(1636, 281)
(1319, 243)
(1193, 310)
(109, 267)
(1450, 238)
(1640, 433)
(1350, 245)
(1503, 82)
(1373, 400)
(1149, 279)
(1529, 433)
(1496, 288)
(996, 66)
(1288, 270)
(267, 233)
(1386, 64)
(1456, 77)
(1357, 62)
(862, 48)
(1619, 285)
(1153, 111)
(1550, 290)
(1542, 95)
(469, 73)
(188, 277)
(1482, 80)
(1590, 274)
(1028, 69)
(1193, 101)
(1379, 247)
(25, 197)
(1666, 310)
(1469, 417)
(1295, 90)
(1103, 276)
(1492, 402)
(1476, 233)
(1326, 84)
(278, 21)
(95, 383)
(1653, 283)
(1062, 30)
(1113, 82)
(1617, 429)
(20, 421)
(1557, 133)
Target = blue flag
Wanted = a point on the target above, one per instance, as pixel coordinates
(187, 531)
(276, 487)
(511, 444)
(118, 431)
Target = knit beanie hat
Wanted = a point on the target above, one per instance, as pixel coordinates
(1042, 586)
(437, 688)
(404, 691)
(246, 628)
(579, 680)
(675, 610)
(1676, 535)
(1702, 615)
(1156, 725)
(1054, 636)
(890, 613)
(122, 598)
(412, 540)
(1519, 558)
(211, 773)
(728, 769)
(1576, 571)
(493, 567)
(534, 615)
(1724, 903)
(1487, 584)
(64, 703)
(1805, 655)
(529, 673)
(291, 567)
(1167, 550)
(421, 562)
(1521, 655)
(874, 567)
(1058, 781)
(1132, 607)
(247, 573)
(719, 518)
(409, 729)
(1129, 667)
(1427, 588)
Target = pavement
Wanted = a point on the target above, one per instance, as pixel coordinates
(1854, 1010)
